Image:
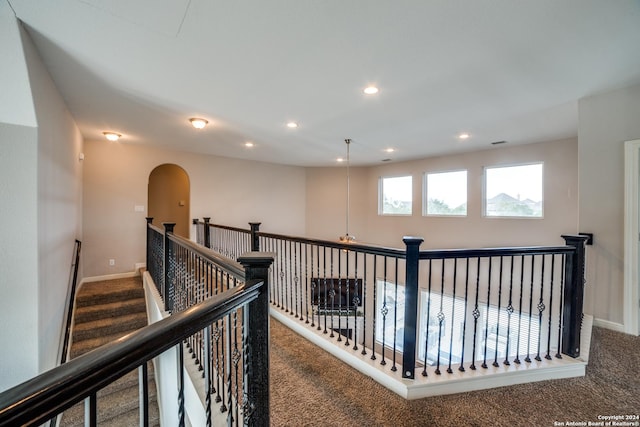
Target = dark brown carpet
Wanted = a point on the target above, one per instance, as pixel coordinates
(310, 387)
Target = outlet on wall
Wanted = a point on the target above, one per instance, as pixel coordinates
(112, 262)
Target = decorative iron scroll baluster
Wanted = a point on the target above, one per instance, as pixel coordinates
(332, 295)
(527, 358)
(441, 318)
(395, 317)
(553, 273)
(509, 313)
(384, 311)
(541, 308)
(324, 287)
(476, 315)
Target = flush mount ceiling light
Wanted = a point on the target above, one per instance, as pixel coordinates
(111, 136)
(292, 125)
(249, 144)
(371, 90)
(389, 150)
(198, 123)
(464, 135)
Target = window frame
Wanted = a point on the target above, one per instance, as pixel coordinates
(425, 194)
(512, 165)
(381, 196)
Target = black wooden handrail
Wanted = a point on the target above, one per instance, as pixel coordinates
(40, 398)
(71, 299)
(494, 252)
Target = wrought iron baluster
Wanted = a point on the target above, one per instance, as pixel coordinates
(453, 308)
(464, 315)
(552, 276)
(560, 305)
(364, 304)
(495, 359)
(509, 313)
(541, 308)
(339, 296)
(385, 310)
(476, 315)
(528, 359)
(441, 317)
(375, 308)
(427, 335)
(517, 359)
(395, 317)
(486, 324)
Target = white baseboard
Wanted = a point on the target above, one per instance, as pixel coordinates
(607, 324)
(110, 276)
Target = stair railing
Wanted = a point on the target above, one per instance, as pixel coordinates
(47, 395)
(70, 301)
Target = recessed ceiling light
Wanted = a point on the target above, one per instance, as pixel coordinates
(389, 150)
(111, 136)
(249, 144)
(292, 125)
(198, 123)
(370, 90)
(464, 135)
(339, 160)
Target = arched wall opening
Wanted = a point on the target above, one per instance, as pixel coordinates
(168, 196)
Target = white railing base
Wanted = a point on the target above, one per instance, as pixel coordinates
(456, 382)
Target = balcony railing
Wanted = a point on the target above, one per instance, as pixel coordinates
(432, 312)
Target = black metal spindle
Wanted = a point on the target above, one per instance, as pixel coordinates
(395, 317)
(509, 313)
(464, 315)
(541, 309)
(441, 318)
(528, 358)
(384, 311)
(428, 334)
(561, 305)
(375, 308)
(476, 315)
(552, 277)
(453, 308)
(517, 358)
(495, 359)
(486, 324)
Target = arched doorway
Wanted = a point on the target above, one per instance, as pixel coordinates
(168, 195)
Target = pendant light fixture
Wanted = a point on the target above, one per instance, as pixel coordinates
(347, 238)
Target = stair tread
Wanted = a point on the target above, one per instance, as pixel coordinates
(109, 326)
(110, 309)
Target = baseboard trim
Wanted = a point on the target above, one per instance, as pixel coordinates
(607, 324)
(110, 277)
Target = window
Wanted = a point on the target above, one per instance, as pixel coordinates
(514, 191)
(395, 196)
(446, 193)
(390, 320)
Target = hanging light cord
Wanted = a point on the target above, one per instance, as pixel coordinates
(347, 237)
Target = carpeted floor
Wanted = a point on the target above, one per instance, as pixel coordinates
(310, 387)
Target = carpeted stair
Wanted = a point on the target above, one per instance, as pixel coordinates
(104, 312)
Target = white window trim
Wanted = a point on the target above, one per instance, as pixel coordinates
(508, 165)
(381, 195)
(425, 195)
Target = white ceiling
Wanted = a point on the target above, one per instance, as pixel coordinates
(508, 70)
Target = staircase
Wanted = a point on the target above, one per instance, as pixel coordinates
(104, 312)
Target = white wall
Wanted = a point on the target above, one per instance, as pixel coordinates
(605, 122)
(39, 219)
(18, 215)
(230, 191)
(326, 201)
(59, 202)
